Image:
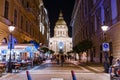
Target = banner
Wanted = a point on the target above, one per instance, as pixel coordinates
(11, 42)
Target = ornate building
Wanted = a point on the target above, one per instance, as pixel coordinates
(61, 41)
(24, 14)
(88, 17)
(44, 24)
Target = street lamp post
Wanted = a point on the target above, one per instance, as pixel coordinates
(104, 29)
(11, 29)
(105, 48)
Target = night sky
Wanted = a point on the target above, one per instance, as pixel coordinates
(53, 7)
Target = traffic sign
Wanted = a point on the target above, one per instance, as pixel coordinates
(105, 46)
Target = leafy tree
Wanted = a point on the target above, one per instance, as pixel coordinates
(86, 44)
(45, 49)
(51, 51)
(83, 46)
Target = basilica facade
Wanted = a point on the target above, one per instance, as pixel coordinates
(61, 42)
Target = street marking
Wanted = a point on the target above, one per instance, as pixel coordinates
(56, 78)
(96, 69)
(83, 68)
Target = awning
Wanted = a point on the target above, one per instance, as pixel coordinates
(21, 47)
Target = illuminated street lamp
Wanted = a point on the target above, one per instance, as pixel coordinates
(11, 29)
(105, 47)
(104, 28)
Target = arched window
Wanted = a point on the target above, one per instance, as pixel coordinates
(43, 28)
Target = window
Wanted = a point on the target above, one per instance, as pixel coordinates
(27, 4)
(107, 11)
(15, 17)
(98, 18)
(26, 26)
(43, 30)
(21, 22)
(118, 7)
(6, 9)
(22, 1)
(107, 14)
(30, 29)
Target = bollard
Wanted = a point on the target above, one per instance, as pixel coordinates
(28, 75)
(73, 75)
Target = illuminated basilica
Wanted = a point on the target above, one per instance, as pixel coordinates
(61, 41)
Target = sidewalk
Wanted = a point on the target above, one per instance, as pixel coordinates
(95, 67)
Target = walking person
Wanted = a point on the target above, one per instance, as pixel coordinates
(116, 66)
(110, 59)
(57, 59)
(62, 59)
(106, 66)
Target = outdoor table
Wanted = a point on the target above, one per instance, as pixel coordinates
(17, 66)
(2, 67)
(23, 64)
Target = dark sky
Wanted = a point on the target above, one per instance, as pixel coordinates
(53, 7)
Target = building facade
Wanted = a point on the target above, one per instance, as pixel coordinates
(61, 41)
(23, 14)
(88, 17)
(44, 24)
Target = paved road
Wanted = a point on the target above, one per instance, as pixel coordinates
(52, 71)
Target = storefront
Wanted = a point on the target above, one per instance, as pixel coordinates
(20, 52)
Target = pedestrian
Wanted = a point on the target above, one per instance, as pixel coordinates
(62, 59)
(110, 59)
(116, 66)
(106, 66)
(57, 59)
(106, 56)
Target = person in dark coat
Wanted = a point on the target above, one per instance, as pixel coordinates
(62, 59)
(110, 59)
(106, 66)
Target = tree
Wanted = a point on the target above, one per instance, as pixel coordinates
(51, 51)
(45, 49)
(83, 46)
(86, 44)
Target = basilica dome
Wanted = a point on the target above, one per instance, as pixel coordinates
(60, 20)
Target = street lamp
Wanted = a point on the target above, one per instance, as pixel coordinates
(105, 46)
(104, 28)
(11, 29)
